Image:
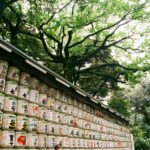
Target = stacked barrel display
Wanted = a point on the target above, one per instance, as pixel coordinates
(36, 116)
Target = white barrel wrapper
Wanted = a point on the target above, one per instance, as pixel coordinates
(13, 73)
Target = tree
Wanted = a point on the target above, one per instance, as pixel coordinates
(139, 96)
(4, 4)
(75, 37)
(135, 101)
(121, 105)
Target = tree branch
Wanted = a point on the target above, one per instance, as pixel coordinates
(52, 16)
(8, 22)
(127, 48)
(96, 19)
(73, 7)
(54, 57)
(17, 15)
(106, 65)
(28, 33)
(113, 32)
(99, 31)
(107, 77)
(67, 44)
(116, 42)
(51, 37)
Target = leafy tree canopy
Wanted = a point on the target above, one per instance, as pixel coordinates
(75, 38)
(139, 99)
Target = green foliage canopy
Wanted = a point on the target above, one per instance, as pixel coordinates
(74, 38)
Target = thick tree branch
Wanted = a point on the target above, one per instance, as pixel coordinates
(90, 22)
(113, 32)
(116, 42)
(54, 57)
(99, 31)
(8, 22)
(17, 15)
(63, 34)
(105, 66)
(86, 55)
(107, 77)
(73, 7)
(28, 34)
(51, 37)
(127, 48)
(52, 16)
(67, 44)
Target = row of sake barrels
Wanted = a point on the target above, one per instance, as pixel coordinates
(21, 123)
(15, 76)
(108, 137)
(50, 115)
(11, 121)
(23, 139)
(31, 109)
(12, 73)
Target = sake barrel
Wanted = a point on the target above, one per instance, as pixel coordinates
(33, 109)
(74, 142)
(11, 88)
(22, 123)
(43, 113)
(50, 115)
(58, 94)
(69, 107)
(24, 78)
(71, 143)
(65, 98)
(33, 124)
(2, 84)
(42, 126)
(23, 92)
(3, 68)
(64, 108)
(1, 101)
(43, 88)
(57, 117)
(22, 107)
(33, 83)
(43, 100)
(13, 73)
(9, 121)
(70, 101)
(65, 119)
(33, 96)
(64, 130)
(58, 105)
(51, 128)
(10, 104)
(71, 131)
(42, 139)
(50, 141)
(32, 140)
(76, 132)
(51, 92)
(80, 105)
(1, 116)
(21, 139)
(65, 141)
(7, 138)
(58, 129)
(52, 103)
(58, 140)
